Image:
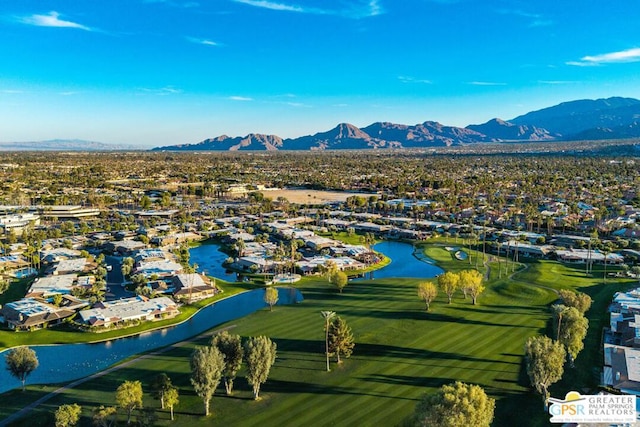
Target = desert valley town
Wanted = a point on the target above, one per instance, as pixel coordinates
(304, 213)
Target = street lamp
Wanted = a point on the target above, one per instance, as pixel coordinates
(328, 315)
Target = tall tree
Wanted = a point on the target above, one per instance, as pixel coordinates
(545, 363)
(572, 332)
(427, 291)
(558, 314)
(579, 300)
(270, 297)
(340, 339)
(260, 355)
(456, 405)
(207, 364)
(171, 399)
(328, 316)
(68, 415)
(129, 397)
(161, 383)
(471, 281)
(448, 282)
(230, 346)
(339, 279)
(104, 416)
(21, 361)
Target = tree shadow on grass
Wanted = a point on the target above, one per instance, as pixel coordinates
(293, 387)
(422, 315)
(372, 350)
(405, 380)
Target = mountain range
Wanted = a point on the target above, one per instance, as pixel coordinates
(611, 118)
(62, 145)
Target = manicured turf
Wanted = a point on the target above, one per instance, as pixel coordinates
(401, 352)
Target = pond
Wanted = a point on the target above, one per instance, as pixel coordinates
(404, 262)
(67, 362)
(209, 259)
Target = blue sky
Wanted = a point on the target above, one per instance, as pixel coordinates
(159, 72)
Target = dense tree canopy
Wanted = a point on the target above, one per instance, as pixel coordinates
(455, 405)
(580, 301)
(545, 363)
(21, 361)
(129, 397)
(67, 415)
(230, 346)
(341, 340)
(207, 365)
(471, 281)
(270, 297)
(448, 282)
(260, 355)
(427, 291)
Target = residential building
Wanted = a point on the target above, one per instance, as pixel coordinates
(122, 311)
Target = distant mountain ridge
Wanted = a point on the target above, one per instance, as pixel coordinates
(508, 131)
(574, 117)
(62, 145)
(611, 118)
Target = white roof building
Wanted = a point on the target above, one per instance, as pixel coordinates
(130, 309)
(69, 266)
(162, 267)
(52, 285)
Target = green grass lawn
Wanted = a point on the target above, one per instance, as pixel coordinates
(401, 352)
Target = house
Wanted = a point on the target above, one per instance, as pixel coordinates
(526, 249)
(31, 313)
(192, 286)
(142, 255)
(18, 222)
(339, 224)
(622, 368)
(45, 287)
(254, 263)
(67, 212)
(371, 227)
(582, 256)
(317, 243)
(134, 309)
(58, 254)
(70, 266)
(161, 268)
(125, 247)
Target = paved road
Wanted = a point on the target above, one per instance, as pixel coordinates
(115, 279)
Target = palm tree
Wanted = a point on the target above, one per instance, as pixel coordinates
(328, 316)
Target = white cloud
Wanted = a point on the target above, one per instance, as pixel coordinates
(356, 10)
(629, 55)
(297, 104)
(540, 23)
(167, 90)
(556, 82)
(51, 20)
(187, 4)
(205, 42)
(409, 79)
(240, 98)
(537, 20)
(274, 6)
(480, 83)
